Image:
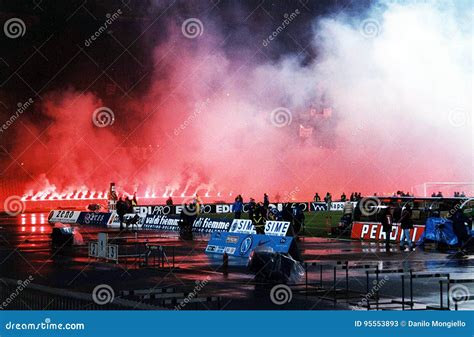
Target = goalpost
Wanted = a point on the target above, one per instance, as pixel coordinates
(446, 188)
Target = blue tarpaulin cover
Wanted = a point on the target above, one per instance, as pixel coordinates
(439, 230)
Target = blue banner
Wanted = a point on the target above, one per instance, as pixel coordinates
(235, 323)
(241, 245)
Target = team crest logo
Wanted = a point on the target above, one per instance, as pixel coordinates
(246, 245)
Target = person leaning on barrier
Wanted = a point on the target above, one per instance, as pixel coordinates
(406, 224)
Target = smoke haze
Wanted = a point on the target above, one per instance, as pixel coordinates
(386, 91)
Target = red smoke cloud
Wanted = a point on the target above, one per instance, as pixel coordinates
(218, 124)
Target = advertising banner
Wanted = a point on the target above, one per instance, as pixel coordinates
(155, 209)
(171, 223)
(94, 218)
(241, 245)
(223, 208)
(373, 231)
(208, 225)
(244, 226)
(322, 206)
(114, 221)
(161, 222)
(63, 216)
(82, 218)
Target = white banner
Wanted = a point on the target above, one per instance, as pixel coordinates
(63, 216)
(277, 228)
(244, 226)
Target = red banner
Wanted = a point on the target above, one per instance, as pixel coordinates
(373, 231)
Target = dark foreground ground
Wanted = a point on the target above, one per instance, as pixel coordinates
(66, 278)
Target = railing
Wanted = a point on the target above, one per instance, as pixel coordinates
(143, 254)
(468, 297)
(40, 297)
(330, 291)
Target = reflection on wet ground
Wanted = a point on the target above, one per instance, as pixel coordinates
(25, 249)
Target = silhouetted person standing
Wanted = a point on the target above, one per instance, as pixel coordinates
(406, 224)
(460, 227)
(387, 222)
(266, 201)
(252, 205)
(328, 201)
(298, 218)
(237, 208)
(259, 219)
(121, 208)
(186, 221)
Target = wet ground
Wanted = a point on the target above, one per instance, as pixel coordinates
(26, 252)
